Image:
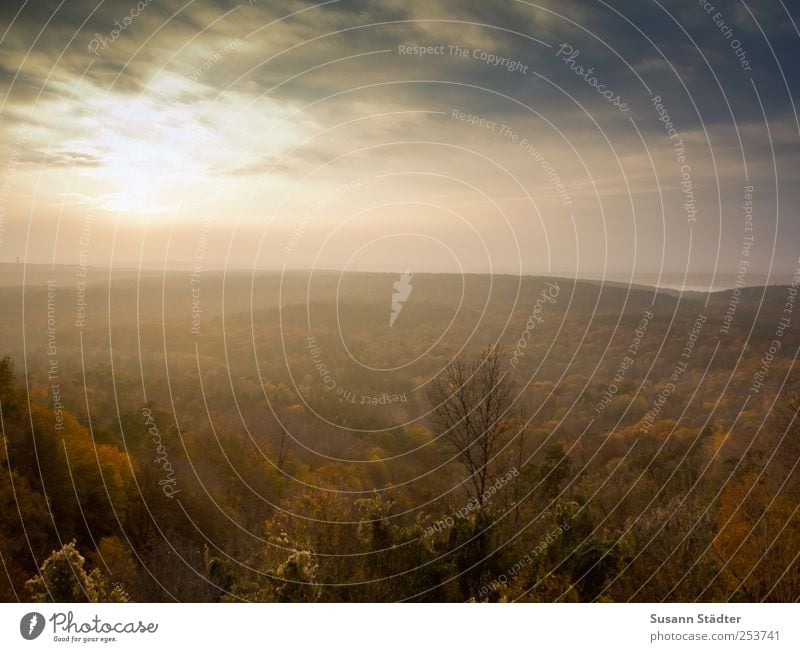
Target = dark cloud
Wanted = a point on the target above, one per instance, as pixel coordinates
(614, 38)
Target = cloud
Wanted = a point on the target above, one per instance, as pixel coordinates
(61, 159)
(309, 82)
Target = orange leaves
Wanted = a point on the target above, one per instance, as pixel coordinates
(758, 531)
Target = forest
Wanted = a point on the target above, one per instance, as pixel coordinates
(258, 436)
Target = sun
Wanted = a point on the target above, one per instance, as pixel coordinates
(153, 160)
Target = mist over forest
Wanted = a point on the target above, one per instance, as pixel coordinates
(323, 436)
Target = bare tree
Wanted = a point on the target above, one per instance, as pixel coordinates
(471, 407)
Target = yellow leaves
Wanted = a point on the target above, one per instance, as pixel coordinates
(757, 533)
(115, 556)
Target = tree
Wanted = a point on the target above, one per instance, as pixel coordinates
(19, 547)
(471, 408)
(296, 579)
(63, 578)
(757, 539)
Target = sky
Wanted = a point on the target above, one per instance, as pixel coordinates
(626, 140)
